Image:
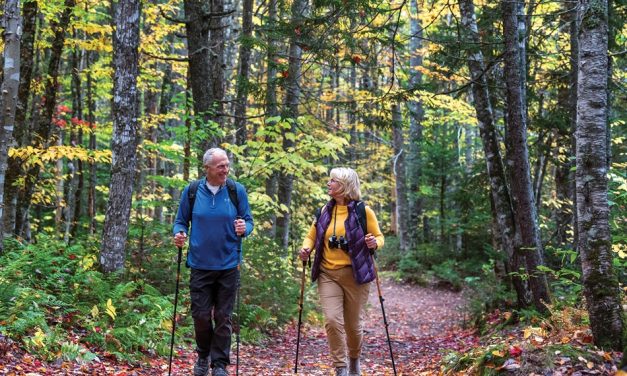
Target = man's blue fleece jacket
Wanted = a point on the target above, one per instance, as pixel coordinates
(213, 243)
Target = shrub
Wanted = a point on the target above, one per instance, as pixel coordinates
(270, 288)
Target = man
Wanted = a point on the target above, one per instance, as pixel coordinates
(218, 226)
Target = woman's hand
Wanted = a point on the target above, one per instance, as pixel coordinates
(371, 241)
(304, 253)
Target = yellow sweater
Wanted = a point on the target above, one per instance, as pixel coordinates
(335, 258)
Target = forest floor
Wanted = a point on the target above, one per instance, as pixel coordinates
(423, 322)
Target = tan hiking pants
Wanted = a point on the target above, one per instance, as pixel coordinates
(343, 302)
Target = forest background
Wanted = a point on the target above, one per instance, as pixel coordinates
(488, 136)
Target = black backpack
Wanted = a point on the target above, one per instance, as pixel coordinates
(230, 185)
(360, 207)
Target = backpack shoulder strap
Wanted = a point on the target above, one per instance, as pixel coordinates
(191, 192)
(230, 185)
(360, 207)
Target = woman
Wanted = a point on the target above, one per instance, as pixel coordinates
(343, 266)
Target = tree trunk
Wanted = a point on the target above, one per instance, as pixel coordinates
(416, 115)
(217, 68)
(125, 135)
(291, 111)
(544, 155)
(352, 114)
(76, 139)
(494, 163)
(165, 103)
(91, 108)
(601, 287)
(187, 147)
(271, 104)
(398, 169)
(13, 171)
(199, 50)
(44, 126)
(517, 152)
(11, 22)
(60, 187)
(243, 71)
(73, 196)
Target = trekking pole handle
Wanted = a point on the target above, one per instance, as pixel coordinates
(237, 218)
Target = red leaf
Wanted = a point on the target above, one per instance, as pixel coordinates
(515, 351)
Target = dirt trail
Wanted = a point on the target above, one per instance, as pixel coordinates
(422, 323)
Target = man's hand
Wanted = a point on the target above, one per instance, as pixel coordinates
(240, 226)
(179, 239)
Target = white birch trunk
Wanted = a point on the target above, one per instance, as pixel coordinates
(8, 91)
(601, 287)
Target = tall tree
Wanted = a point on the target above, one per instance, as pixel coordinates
(43, 128)
(243, 71)
(91, 109)
(271, 104)
(77, 181)
(514, 30)
(125, 134)
(217, 67)
(398, 169)
(567, 98)
(199, 50)
(29, 27)
(500, 196)
(416, 115)
(291, 111)
(601, 287)
(11, 23)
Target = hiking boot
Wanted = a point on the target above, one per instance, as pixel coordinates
(201, 368)
(219, 371)
(340, 371)
(353, 367)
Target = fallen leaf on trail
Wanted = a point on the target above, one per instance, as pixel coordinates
(515, 351)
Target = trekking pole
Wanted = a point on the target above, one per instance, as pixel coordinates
(385, 321)
(176, 300)
(300, 312)
(239, 320)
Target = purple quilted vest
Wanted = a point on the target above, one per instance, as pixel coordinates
(363, 267)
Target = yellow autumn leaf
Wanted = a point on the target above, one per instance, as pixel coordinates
(87, 262)
(95, 312)
(167, 325)
(110, 309)
(498, 353)
(620, 249)
(38, 338)
(538, 332)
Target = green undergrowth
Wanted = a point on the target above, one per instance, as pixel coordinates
(56, 303)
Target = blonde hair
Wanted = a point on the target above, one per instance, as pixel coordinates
(349, 182)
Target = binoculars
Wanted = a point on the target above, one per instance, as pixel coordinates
(341, 243)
